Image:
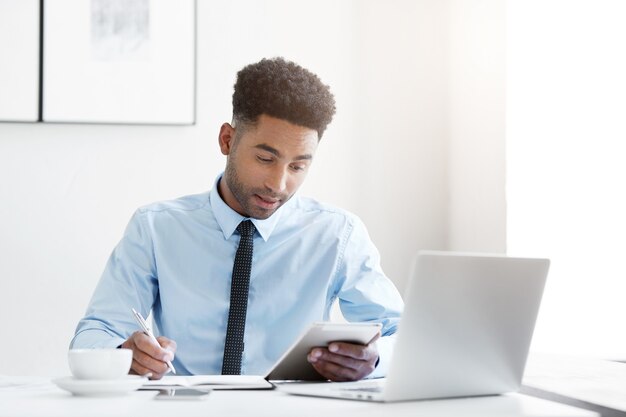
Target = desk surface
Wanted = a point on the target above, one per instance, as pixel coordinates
(590, 383)
(34, 397)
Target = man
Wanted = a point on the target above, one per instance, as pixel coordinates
(292, 256)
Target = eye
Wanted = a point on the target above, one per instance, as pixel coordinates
(298, 168)
(264, 160)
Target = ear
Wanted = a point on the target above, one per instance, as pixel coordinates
(226, 138)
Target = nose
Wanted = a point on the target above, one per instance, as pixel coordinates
(276, 180)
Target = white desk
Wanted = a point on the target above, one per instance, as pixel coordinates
(38, 397)
(585, 382)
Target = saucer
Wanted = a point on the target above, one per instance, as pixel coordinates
(100, 387)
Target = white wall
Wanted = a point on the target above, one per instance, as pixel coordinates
(477, 126)
(401, 124)
(68, 190)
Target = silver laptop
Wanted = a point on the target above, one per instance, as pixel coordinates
(465, 331)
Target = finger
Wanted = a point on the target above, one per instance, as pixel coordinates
(335, 372)
(167, 344)
(150, 363)
(359, 352)
(323, 355)
(139, 369)
(150, 356)
(145, 344)
(340, 367)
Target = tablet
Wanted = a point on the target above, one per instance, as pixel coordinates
(293, 365)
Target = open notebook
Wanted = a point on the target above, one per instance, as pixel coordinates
(216, 382)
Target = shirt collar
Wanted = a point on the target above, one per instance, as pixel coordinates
(228, 219)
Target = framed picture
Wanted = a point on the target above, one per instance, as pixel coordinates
(19, 60)
(98, 61)
(119, 61)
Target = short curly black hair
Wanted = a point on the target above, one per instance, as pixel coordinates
(282, 89)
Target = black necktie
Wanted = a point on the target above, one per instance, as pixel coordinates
(233, 348)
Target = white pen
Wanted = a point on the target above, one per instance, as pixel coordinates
(144, 327)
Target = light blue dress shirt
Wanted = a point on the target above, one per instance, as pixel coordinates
(176, 259)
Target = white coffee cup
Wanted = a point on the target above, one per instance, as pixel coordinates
(100, 363)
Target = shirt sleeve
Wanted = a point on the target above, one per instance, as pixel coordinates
(129, 281)
(366, 294)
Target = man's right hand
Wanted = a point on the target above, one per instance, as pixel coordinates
(149, 358)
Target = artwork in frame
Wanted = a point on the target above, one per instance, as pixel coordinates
(19, 60)
(119, 61)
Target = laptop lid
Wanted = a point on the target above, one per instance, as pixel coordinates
(467, 325)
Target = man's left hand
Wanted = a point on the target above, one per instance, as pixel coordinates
(342, 361)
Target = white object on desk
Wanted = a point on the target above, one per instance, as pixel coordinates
(51, 401)
(99, 363)
(593, 380)
(100, 387)
(217, 382)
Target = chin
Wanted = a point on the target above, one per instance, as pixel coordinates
(262, 215)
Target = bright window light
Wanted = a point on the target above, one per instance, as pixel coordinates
(566, 166)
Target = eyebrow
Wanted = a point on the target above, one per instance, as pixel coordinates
(275, 152)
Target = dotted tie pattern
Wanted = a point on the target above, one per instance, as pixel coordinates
(233, 348)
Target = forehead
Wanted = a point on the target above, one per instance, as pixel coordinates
(287, 139)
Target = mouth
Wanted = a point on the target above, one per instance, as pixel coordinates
(267, 203)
